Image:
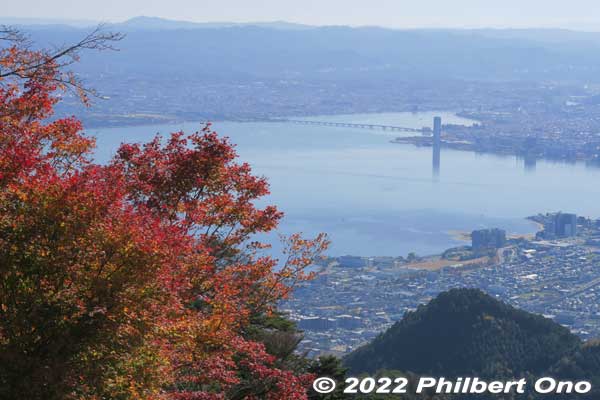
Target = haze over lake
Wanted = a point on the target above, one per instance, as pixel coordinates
(376, 198)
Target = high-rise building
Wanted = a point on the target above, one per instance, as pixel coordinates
(437, 131)
(488, 239)
(565, 225)
(437, 144)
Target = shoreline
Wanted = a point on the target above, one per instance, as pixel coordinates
(426, 141)
(436, 262)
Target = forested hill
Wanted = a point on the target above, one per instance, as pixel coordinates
(465, 332)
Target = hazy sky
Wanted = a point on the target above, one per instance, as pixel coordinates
(577, 14)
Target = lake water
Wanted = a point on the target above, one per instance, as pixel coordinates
(374, 197)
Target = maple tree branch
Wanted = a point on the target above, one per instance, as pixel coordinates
(11, 34)
(30, 63)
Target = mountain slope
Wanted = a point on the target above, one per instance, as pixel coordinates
(163, 49)
(466, 332)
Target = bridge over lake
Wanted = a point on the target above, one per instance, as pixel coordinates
(354, 125)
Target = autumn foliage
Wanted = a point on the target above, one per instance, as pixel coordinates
(137, 279)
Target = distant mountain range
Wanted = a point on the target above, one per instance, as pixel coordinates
(253, 51)
(144, 23)
(155, 23)
(465, 332)
(557, 35)
(189, 71)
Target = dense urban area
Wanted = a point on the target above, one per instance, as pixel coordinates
(532, 120)
(555, 273)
